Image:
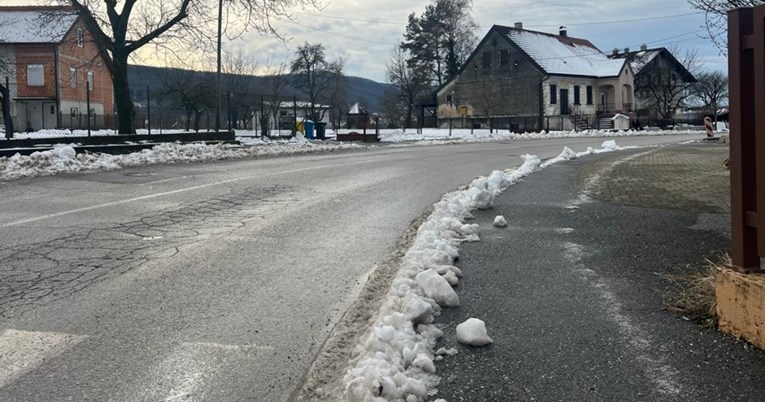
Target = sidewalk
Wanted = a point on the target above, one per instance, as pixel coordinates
(571, 291)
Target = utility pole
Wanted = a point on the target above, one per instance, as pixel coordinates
(217, 90)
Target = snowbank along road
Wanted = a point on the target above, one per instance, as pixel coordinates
(211, 281)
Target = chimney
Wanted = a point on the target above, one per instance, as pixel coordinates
(563, 31)
(626, 50)
(643, 47)
(518, 25)
(615, 52)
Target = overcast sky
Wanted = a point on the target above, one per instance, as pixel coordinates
(367, 30)
(368, 44)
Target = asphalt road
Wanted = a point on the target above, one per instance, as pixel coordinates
(216, 281)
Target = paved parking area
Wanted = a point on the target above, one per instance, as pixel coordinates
(688, 177)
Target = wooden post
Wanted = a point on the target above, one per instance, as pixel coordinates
(744, 147)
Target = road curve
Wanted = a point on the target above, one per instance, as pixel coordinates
(208, 282)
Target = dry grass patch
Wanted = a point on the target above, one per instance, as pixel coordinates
(692, 295)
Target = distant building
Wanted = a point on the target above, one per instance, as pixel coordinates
(358, 117)
(525, 80)
(656, 72)
(50, 58)
(289, 114)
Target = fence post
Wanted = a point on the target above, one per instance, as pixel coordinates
(148, 110)
(294, 115)
(743, 146)
(7, 120)
(87, 97)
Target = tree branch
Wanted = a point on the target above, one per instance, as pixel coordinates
(182, 14)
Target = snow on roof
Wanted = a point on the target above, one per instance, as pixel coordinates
(35, 24)
(640, 59)
(302, 104)
(565, 55)
(357, 109)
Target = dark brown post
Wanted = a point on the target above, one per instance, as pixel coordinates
(744, 147)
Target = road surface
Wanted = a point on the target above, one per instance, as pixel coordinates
(215, 281)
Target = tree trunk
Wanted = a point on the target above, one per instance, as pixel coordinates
(122, 98)
(409, 114)
(5, 103)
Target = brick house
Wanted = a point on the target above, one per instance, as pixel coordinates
(525, 80)
(50, 60)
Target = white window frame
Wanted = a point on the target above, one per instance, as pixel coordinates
(73, 77)
(35, 75)
(80, 37)
(90, 81)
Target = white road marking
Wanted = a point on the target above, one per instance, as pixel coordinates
(655, 366)
(23, 351)
(156, 195)
(165, 180)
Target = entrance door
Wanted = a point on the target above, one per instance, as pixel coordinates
(564, 101)
(603, 99)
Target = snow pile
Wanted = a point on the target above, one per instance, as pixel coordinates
(441, 136)
(500, 221)
(473, 332)
(64, 159)
(394, 362)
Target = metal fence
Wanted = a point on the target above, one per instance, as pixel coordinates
(746, 67)
(82, 108)
(48, 111)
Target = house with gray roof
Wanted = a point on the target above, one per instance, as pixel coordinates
(525, 80)
(660, 80)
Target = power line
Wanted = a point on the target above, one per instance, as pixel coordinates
(355, 38)
(624, 21)
(377, 21)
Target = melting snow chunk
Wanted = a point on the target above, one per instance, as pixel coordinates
(437, 288)
(473, 332)
(500, 221)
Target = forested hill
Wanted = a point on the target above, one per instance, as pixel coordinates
(358, 89)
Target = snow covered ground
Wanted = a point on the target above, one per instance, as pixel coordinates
(55, 133)
(397, 135)
(467, 135)
(64, 159)
(61, 159)
(395, 362)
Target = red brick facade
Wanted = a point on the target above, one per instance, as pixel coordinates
(61, 102)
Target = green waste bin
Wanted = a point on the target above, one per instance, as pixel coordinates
(321, 130)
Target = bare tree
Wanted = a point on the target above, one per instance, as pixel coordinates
(486, 98)
(5, 93)
(123, 27)
(667, 86)
(717, 17)
(408, 83)
(711, 90)
(191, 91)
(316, 77)
(239, 69)
(276, 81)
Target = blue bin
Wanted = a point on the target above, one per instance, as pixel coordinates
(308, 129)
